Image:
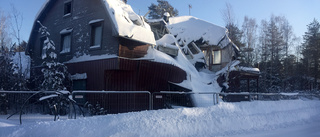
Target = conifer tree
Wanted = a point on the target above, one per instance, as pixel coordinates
(157, 11)
(311, 51)
(55, 73)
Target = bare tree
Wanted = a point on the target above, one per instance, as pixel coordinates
(249, 29)
(4, 37)
(16, 25)
(228, 14)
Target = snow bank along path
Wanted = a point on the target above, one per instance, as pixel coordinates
(225, 119)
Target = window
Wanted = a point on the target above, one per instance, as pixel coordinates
(193, 48)
(66, 43)
(80, 84)
(216, 57)
(96, 35)
(67, 8)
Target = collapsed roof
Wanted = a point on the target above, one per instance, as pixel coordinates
(191, 29)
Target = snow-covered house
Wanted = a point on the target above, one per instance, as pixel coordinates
(105, 46)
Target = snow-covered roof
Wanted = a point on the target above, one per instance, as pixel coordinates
(247, 69)
(128, 23)
(188, 29)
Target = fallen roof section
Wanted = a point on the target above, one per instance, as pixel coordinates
(190, 29)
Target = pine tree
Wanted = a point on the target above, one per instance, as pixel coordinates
(157, 11)
(55, 73)
(311, 51)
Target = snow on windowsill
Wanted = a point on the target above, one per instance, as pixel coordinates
(66, 31)
(95, 46)
(95, 21)
(67, 15)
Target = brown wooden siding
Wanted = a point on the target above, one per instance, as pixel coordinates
(95, 71)
(126, 75)
(118, 74)
(132, 49)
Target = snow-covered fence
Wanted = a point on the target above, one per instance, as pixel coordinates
(40, 105)
(246, 96)
(172, 99)
(110, 102)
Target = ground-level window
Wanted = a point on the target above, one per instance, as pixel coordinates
(67, 8)
(65, 43)
(79, 81)
(80, 84)
(216, 57)
(96, 35)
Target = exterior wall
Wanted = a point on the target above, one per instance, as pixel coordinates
(226, 57)
(83, 11)
(118, 74)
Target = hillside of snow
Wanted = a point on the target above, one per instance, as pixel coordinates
(226, 119)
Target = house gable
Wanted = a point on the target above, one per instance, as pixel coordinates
(79, 21)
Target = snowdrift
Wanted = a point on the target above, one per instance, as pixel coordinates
(225, 119)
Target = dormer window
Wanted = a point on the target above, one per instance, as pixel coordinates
(67, 8)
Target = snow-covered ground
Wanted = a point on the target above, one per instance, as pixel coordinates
(258, 118)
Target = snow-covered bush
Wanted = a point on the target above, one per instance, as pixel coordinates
(95, 109)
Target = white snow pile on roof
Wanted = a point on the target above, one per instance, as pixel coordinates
(188, 29)
(247, 69)
(168, 41)
(224, 119)
(128, 23)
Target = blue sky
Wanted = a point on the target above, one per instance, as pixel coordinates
(299, 12)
